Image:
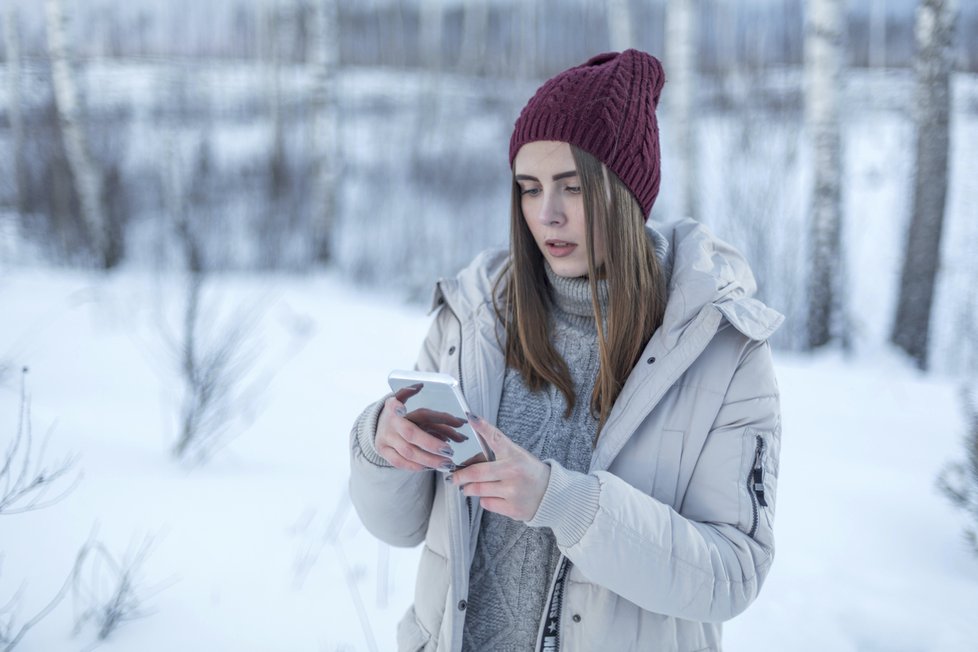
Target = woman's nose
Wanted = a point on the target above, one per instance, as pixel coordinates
(552, 212)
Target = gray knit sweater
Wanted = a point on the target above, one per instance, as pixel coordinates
(513, 562)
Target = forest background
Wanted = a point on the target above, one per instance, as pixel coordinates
(172, 170)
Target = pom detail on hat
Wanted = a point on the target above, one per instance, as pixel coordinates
(606, 106)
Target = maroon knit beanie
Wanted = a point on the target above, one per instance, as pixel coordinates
(605, 106)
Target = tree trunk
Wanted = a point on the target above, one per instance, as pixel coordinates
(681, 72)
(526, 17)
(87, 176)
(824, 84)
(272, 20)
(325, 57)
(11, 36)
(619, 25)
(432, 34)
(877, 34)
(932, 104)
(475, 33)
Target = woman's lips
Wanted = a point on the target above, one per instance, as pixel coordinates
(559, 248)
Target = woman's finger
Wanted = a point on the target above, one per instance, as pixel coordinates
(445, 433)
(418, 437)
(425, 415)
(403, 394)
(398, 461)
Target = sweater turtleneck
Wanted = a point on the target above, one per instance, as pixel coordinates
(513, 562)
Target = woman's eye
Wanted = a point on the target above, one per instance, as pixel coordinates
(574, 189)
(531, 192)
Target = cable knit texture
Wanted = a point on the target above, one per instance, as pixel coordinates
(606, 106)
(513, 562)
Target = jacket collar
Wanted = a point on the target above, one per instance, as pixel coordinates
(700, 270)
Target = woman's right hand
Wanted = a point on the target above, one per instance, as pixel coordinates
(406, 444)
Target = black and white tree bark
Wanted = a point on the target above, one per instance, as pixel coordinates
(877, 34)
(475, 34)
(824, 60)
(932, 112)
(271, 27)
(526, 17)
(104, 241)
(681, 66)
(11, 37)
(431, 37)
(619, 25)
(324, 44)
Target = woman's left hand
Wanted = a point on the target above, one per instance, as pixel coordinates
(513, 485)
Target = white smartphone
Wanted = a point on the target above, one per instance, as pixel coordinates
(434, 402)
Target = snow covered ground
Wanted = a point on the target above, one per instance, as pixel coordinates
(258, 549)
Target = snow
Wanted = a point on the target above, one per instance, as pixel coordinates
(258, 548)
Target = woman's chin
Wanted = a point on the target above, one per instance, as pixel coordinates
(568, 268)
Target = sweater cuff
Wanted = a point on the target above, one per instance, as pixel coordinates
(367, 432)
(569, 504)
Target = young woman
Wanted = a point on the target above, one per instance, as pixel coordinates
(621, 374)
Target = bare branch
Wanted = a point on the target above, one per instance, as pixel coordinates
(26, 480)
(96, 568)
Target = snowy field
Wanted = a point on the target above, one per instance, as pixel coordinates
(258, 549)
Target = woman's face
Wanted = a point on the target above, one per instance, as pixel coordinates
(553, 207)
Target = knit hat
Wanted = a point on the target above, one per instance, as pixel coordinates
(605, 106)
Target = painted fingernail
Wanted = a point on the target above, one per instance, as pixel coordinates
(449, 476)
(400, 411)
(447, 466)
(472, 417)
(446, 450)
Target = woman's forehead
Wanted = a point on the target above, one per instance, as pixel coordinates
(543, 155)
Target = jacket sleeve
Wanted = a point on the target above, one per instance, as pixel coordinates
(707, 563)
(393, 504)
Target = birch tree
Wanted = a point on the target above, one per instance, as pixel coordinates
(932, 112)
(324, 54)
(86, 174)
(271, 28)
(432, 33)
(824, 83)
(877, 34)
(11, 37)
(475, 33)
(526, 17)
(681, 66)
(619, 25)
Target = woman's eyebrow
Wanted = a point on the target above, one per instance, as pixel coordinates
(556, 177)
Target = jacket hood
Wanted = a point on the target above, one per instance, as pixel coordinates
(473, 286)
(700, 269)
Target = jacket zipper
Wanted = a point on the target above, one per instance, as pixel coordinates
(461, 386)
(755, 484)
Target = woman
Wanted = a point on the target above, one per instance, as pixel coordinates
(621, 374)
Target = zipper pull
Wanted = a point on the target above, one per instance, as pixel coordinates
(757, 474)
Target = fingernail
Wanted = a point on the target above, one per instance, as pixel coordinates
(447, 466)
(449, 476)
(472, 417)
(447, 450)
(400, 411)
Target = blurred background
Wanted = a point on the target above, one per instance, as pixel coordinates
(225, 216)
(371, 137)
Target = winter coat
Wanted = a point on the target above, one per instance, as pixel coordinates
(670, 531)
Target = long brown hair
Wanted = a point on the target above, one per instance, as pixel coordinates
(636, 291)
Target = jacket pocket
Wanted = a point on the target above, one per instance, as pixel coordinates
(411, 637)
(665, 484)
(760, 478)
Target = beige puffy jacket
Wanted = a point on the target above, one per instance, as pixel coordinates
(670, 531)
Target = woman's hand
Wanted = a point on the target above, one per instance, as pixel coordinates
(415, 442)
(513, 485)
